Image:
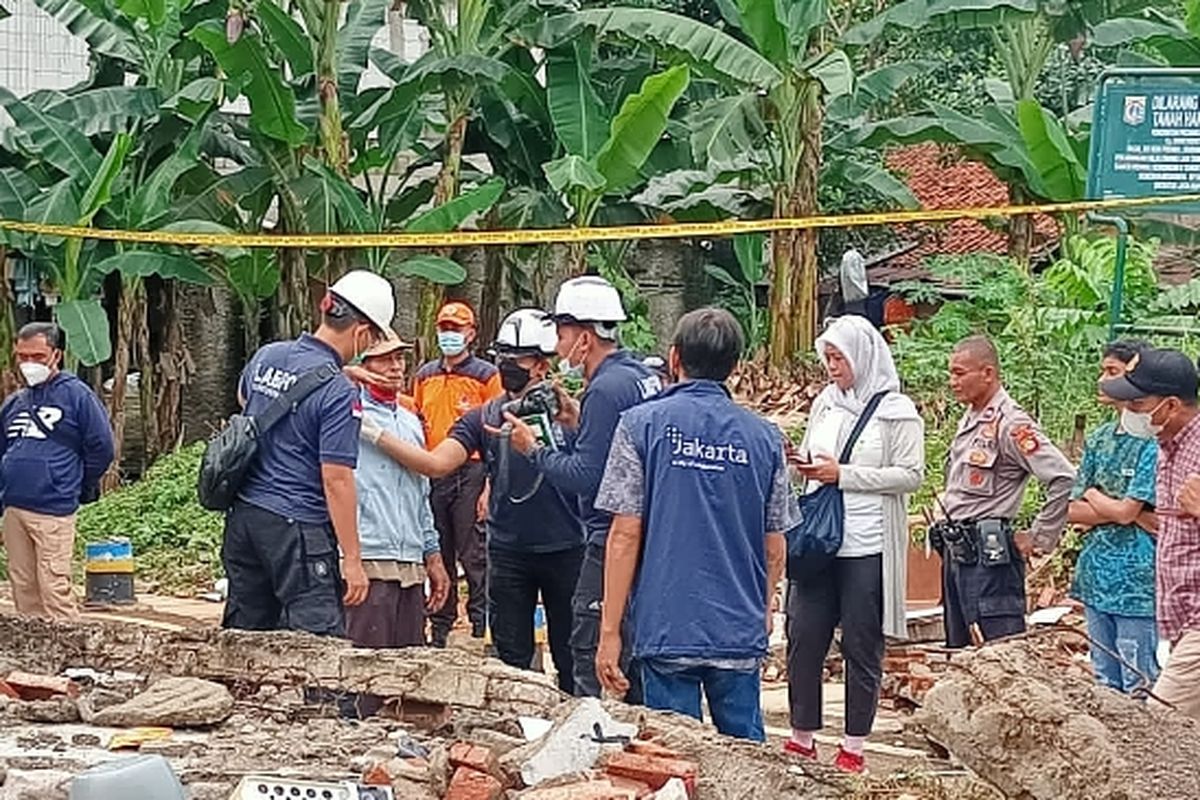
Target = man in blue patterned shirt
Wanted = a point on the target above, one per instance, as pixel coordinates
(1113, 500)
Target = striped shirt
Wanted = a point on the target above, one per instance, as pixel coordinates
(1178, 574)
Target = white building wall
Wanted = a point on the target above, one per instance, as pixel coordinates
(37, 51)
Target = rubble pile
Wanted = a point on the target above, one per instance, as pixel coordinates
(1023, 715)
(223, 705)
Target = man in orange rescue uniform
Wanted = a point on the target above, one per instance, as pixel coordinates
(444, 390)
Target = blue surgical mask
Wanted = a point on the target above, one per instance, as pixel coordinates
(451, 343)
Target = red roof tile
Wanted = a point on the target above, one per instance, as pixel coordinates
(939, 177)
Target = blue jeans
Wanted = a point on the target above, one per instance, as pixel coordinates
(733, 695)
(1135, 639)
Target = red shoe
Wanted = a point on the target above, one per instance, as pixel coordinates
(850, 762)
(795, 748)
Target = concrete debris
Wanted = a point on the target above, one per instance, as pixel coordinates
(172, 703)
(576, 743)
(427, 676)
(1018, 716)
(42, 784)
(53, 710)
(674, 789)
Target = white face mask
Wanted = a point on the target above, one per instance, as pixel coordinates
(566, 368)
(1140, 424)
(34, 373)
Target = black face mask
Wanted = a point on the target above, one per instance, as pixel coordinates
(513, 377)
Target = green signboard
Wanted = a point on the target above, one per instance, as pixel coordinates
(1146, 135)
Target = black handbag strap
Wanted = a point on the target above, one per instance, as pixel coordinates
(861, 423)
(287, 402)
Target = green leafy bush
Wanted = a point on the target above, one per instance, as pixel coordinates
(176, 543)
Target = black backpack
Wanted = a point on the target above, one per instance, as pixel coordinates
(230, 454)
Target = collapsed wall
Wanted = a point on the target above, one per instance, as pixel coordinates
(1013, 714)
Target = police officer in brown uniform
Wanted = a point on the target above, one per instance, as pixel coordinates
(996, 449)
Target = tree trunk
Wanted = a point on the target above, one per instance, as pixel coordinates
(491, 296)
(174, 367)
(1020, 230)
(445, 190)
(293, 314)
(795, 270)
(9, 382)
(127, 311)
(146, 380)
(251, 326)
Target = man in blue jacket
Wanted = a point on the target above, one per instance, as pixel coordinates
(57, 444)
(587, 312)
(700, 492)
(400, 545)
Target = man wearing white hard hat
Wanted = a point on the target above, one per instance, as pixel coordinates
(298, 504)
(587, 313)
(534, 533)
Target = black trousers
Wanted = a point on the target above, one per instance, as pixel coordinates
(283, 574)
(585, 632)
(515, 580)
(992, 597)
(453, 499)
(849, 591)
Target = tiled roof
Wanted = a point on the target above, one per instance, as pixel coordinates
(940, 177)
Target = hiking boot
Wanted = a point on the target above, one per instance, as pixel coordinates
(438, 639)
(850, 762)
(792, 747)
(477, 630)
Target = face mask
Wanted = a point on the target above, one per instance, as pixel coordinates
(513, 377)
(451, 343)
(34, 373)
(1140, 423)
(566, 368)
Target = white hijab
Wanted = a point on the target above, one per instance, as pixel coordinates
(870, 360)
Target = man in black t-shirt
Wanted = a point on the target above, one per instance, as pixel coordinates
(534, 532)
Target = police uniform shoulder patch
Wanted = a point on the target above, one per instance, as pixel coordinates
(1026, 437)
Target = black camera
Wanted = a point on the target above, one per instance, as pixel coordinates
(539, 399)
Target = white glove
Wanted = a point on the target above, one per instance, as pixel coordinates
(370, 430)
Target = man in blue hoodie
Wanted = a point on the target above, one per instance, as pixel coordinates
(588, 311)
(57, 443)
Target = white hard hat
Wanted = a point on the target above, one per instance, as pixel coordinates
(588, 298)
(370, 294)
(527, 330)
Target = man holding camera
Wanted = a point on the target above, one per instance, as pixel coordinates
(995, 451)
(534, 534)
(587, 312)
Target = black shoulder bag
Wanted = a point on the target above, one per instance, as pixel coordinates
(823, 513)
(230, 454)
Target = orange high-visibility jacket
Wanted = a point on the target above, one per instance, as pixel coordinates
(443, 393)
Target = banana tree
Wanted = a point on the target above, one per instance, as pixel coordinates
(780, 76)
(603, 156)
(471, 53)
(1023, 143)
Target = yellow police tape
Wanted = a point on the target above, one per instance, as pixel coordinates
(528, 236)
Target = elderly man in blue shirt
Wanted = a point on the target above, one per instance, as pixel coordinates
(400, 546)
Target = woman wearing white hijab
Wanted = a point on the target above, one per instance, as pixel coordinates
(864, 588)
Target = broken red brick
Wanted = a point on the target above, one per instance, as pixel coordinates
(653, 771)
(468, 784)
(8, 691)
(474, 756)
(638, 789)
(650, 748)
(377, 775)
(427, 716)
(919, 685)
(30, 686)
